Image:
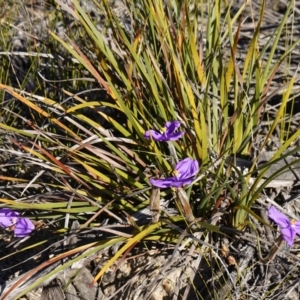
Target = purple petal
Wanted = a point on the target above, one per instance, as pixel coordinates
(169, 133)
(8, 217)
(278, 217)
(23, 227)
(296, 227)
(181, 182)
(170, 182)
(162, 183)
(171, 127)
(187, 168)
(288, 235)
(154, 134)
(175, 136)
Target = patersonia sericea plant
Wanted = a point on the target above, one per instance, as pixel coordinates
(21, 226)
(168, 133)
(288, 228)
(184, 173)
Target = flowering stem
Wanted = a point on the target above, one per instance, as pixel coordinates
(154, 204)
(184, 205)
(273, 251)
(174, 157)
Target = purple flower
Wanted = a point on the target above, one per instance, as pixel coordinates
(288, 228)
(184, 174)
(9, 218)
(168, 133)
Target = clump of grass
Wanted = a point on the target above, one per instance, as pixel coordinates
(172, 61)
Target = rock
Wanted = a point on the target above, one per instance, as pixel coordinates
(291, 172)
